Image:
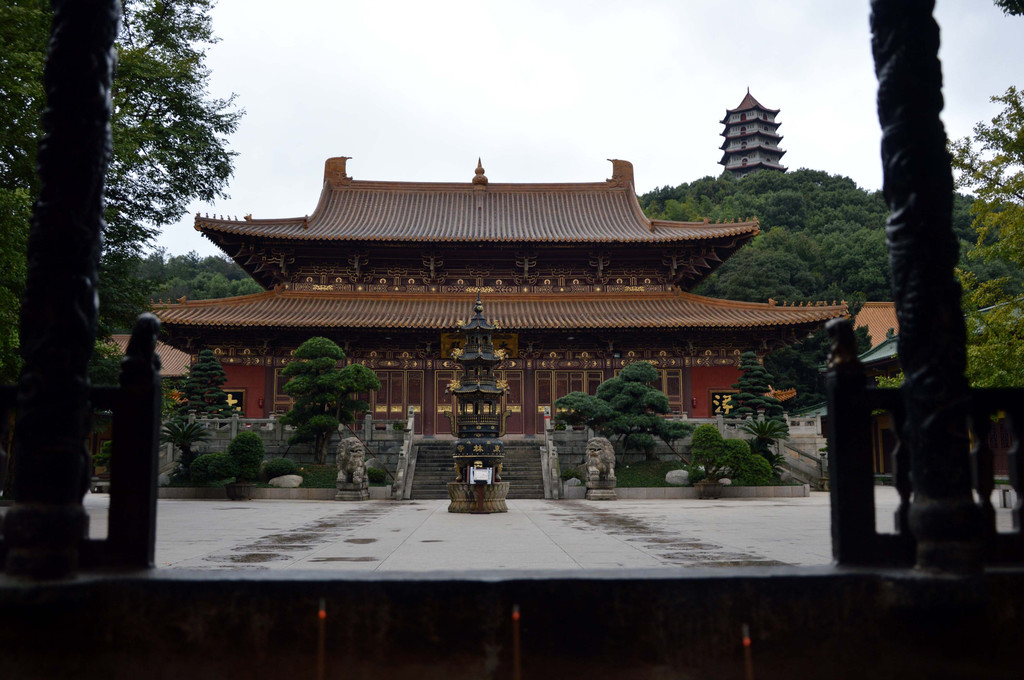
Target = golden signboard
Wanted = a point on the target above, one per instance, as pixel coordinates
(236, 399)
(722, 403)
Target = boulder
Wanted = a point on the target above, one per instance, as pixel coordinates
(725, 481)
(286, 481)
(677, 477)
(572, 481)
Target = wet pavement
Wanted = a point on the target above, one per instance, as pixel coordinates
(533, 534)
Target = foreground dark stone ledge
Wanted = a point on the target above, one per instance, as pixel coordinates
(805, 622)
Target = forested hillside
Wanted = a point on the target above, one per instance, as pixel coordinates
(822, 238)
(197, 278)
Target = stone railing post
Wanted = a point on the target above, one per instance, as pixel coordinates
(44, 529)
(923, 251)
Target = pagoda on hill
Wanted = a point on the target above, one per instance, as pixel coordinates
(577, 281)
(751, 138)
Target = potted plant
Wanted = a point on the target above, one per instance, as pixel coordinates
(247, 452)
(708, 460)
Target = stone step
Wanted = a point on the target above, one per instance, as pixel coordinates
(434, 470)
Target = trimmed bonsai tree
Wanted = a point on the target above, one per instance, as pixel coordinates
(579, 408)
(626, 407)
(323, 393)
(202, 388)
(753, 386)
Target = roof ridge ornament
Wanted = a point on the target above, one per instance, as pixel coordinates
(334, 172)
(479, 176)
(622, 173)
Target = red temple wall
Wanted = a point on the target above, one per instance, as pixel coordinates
(252, 379)
(703, 379)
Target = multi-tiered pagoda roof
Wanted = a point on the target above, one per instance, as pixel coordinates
(751, 138)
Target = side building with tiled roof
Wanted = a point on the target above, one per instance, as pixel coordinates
(580, 282)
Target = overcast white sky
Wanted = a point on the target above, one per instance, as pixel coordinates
(547, 90)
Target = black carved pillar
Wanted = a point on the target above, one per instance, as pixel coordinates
(59, 309)
(918, 187)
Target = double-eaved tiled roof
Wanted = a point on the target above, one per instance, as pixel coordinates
(478, 211)
(654, 310)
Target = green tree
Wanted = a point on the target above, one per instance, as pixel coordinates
(24, 28)
(709, 457)
(183, 435)
(323, 393)
(580, 408)
(753, 385)
(169, 145)
(1011, 6)
(195, 277)
(764, 434)
(203, 387)
(801, 365)
(626, 407)
(991, 163)
(746, 468)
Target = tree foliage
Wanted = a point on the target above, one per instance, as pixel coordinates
(709, 457)
(323, 393)
(247, 450)
(194, 277)
(822, 237)
(183, 435)
(626, 407)
(202, 390)
(169, 137)
(1011, 6)
(991, 163)
(169, 145)
(754, 383)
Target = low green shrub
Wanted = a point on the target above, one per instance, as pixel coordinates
(747, 468)
(211, 468)
(247, 451)
(376, 475)
(278, 467)
(318, 476)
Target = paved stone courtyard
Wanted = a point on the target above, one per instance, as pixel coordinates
(534, 534)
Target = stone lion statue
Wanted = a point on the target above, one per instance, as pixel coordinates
(600, 460)
(351, 461)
